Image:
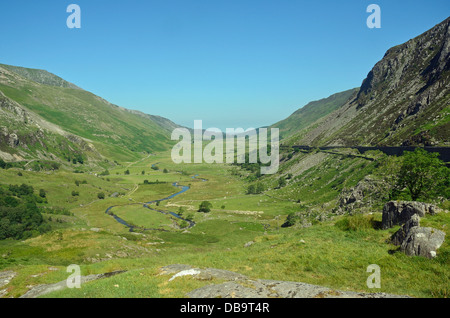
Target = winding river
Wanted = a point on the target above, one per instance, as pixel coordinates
(147, 205)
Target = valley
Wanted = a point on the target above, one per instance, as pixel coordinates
(242, 233)
(361, 179)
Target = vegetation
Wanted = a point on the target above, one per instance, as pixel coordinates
(423, 175)
(205, 206)
(20, 217)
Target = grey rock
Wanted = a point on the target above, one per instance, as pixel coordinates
(399, 212)
(40, 290)
(241, 286)
(248, 244)
(5, 279)
(401, 234)
(422, 241)
(277, 289)
(359, 197)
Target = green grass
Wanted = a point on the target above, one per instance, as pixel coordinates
(334, 253)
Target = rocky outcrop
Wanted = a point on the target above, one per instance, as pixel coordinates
(405, 92)
(399, 212)
(241, 286)
(360, 197)
(5, 279)
(412, 239)
(399, 237)
(422, 241)
(40, 290)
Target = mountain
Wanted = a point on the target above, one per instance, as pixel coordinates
(404, 100)
(42, 116)
(311, 112)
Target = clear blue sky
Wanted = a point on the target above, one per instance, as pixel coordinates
(231, 63)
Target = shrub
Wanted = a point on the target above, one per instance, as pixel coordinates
(205, 206)
(101, 196)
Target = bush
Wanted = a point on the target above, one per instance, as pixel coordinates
(291, 219)
(75, 193)
(205, 206)
(104, 173)
(101, 196)
(42, 193)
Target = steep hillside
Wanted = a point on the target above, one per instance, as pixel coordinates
(311, 112)
(403, 101)
(63, 110)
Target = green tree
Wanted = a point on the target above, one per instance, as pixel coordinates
(42, 193)
(101, 195)
(251, 189)
(127, 172)
(423, 175)
(281, 182)
(205, 206)
(259, 188)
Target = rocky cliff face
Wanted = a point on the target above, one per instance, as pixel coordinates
(403, 101)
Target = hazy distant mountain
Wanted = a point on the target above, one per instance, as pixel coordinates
(405, 99)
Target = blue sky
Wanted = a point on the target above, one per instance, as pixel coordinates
(231, 63)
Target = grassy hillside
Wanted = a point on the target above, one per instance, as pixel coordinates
(117, 133)
(311, 112)
(332, 251)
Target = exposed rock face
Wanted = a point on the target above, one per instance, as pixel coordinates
(406, 90)
(359, 197)
(5, 278)
(240, 286)
(401, 234)
(399, 212)
(422, 241)
(40, 290)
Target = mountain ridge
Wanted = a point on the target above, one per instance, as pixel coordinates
(38, 108)
(403, 101)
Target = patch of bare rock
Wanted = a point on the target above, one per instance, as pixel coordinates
(240, 286)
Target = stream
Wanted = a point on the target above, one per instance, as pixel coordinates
(147, 205)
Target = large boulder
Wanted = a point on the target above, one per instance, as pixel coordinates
(402, 233)
(422, 241)
(399, 212)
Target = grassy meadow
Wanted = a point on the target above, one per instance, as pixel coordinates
(334, 252)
